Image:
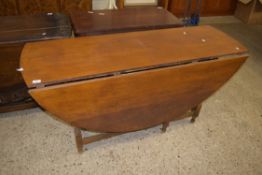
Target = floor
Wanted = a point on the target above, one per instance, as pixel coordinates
(226, 138)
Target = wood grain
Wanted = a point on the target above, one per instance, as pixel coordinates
(209, 7)
(8, 7)
(18, 106)
(138, 100)
(9, 63)
(94, 55)
(37, 6)
(68, 6)
(219, 7)
(29, 7)
(124, 20)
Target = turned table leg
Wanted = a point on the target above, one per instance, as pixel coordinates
(195, 112)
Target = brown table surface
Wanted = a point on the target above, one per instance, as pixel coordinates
(123, 20)
(150, 77)
(62, 60)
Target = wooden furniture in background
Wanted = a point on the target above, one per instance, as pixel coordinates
(130, 81)
(26, 7)
(67, 6)
(209, 7)
(177, 7)
(124, 20)
(15, 31)
(250, 13)
(163, 3)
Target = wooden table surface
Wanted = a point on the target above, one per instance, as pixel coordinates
(93, 56)
(131, 81)
(122, 20)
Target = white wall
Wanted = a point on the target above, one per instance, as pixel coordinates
(100, 4)
(137, 2)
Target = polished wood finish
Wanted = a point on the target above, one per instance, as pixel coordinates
(164, 3)
(209, 7)
(28, 7)
(8, 7)
(103, 109)
(145, 83)
(120, 4)
(9, 63)
(14, 32)
(109, 54)
(68, 6)
(124, 20)
(218, 7)
(136, 101)
(18, 7)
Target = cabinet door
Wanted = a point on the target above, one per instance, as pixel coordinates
(38, 6)
(8, 8)
(208, 8)
(219, 7)
(69, 5)
(178, 7)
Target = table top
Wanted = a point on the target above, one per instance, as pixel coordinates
(129, 81)
(122, 20)
(58, 61)
(17, 29)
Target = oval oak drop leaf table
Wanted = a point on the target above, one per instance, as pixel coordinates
(127, 82)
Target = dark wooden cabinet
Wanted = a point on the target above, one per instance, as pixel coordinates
(177, 7)
(75, 5)
(219, 7)
(15, 31)
(8, 7)
(37, 6)
(209, 7)
(124, 20)
(26, 7)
